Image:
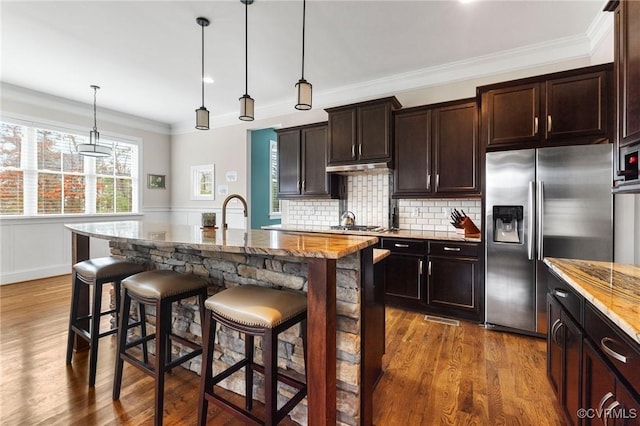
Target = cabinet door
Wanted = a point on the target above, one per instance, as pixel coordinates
(629, 410)
(404, 277)
(455, 143)
(572, 367)
(629, 73)
(289, 163)
(315, 180)
(554, 346)
(598, 385)
(374, 141)
(342, 136)
(451, 283)
(577, 106)
(413, 153)
(512, 114)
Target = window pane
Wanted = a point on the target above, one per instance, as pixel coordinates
(104, 166)
(11, 193)
(124, 159)
(10, 145)
(49, 193)
(74, 194)
(124, 195)
(273, 167)
(71, 161)
(104, 195)
(49, 149)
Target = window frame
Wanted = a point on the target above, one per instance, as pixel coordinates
(273, 185)
(33, 123)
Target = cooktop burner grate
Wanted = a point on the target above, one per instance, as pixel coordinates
(354, 227)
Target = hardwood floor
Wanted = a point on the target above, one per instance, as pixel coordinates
(435, 374)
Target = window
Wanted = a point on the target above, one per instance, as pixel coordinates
(274, 202)
(41, 174)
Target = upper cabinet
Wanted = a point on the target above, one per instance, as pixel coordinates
(361, 133)
(572, 107)
(302, 158)
(436, 150)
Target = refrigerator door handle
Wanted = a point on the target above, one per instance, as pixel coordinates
(530, 254)
(540, 224)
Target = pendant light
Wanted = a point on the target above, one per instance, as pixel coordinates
(93, 148)
(202, 114)
(246, 101)
(303, 86)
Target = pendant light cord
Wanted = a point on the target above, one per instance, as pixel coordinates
(202, 79)
(246, 48)
(304, 10)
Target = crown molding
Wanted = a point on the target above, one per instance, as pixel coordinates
(601, 26)
(23, 95)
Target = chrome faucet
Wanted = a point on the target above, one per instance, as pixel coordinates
(224, 208)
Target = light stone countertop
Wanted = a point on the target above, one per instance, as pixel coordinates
(613, 288)
(253, 241)
(400, 233)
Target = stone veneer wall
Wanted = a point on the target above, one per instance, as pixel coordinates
(224, 270)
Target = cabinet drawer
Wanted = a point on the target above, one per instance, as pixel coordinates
(453, 249)
(396, 244)
(618, 348)
(567, 297)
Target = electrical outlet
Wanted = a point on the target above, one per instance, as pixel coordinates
(415, 212)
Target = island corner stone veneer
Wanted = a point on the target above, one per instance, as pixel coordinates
(331, 269)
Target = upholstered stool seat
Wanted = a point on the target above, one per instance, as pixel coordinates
(254, 311)
(94, 273)
(159, 288)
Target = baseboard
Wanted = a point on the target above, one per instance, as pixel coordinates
(34, 274)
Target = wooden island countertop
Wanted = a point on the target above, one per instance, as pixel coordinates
(612, 288)
(321, 253)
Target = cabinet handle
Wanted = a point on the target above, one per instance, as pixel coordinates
(428, 181)
(608, 410)
(353, 151)
(560, 293)
(420, 265)
(549, 123)
(299, 188)
(401, 245)
(535, 126)
(553, 331)
(437, 181)
(429, 268)
(304, 185)
(604, 399)
(360, 150)
(451, 249)
(611, 352)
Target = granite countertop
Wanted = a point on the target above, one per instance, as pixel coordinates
(613, 288)
(252, 241)
(400, 233)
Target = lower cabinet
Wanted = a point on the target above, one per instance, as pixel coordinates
(405, 279)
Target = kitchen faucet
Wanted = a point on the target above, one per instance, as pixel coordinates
(224, 208)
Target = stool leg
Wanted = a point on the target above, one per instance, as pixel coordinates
(73, 314)
(163, 328)
(95, 331)
(206, 369)
(303, 333)
(142, 317)
(248, 380)
(116, 291)
(123, 330)
(270, 353)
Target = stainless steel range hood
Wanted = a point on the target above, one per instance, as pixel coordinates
(348, 169)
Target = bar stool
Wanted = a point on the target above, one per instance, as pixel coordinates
(95, 272)
(254, 311)
(159, 288)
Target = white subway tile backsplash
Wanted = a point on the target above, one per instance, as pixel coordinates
(435, 213)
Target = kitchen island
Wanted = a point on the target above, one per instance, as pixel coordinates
(333, 270)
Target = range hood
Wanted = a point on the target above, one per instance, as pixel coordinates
(346, 169)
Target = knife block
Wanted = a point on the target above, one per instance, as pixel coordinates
(470, 228)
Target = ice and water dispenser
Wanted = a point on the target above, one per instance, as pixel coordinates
(507, 224)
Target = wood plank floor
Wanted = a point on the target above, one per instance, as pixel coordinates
(435, 374)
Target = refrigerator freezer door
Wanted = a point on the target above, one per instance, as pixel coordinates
(510, 268)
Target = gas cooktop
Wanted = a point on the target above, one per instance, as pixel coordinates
(355, 227)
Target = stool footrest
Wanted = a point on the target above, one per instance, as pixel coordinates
(232, 408)
(229, 371)
(139, 364)
(284, 378)
(183, 358)
(183, 341)
(140, 341)
(107, 333)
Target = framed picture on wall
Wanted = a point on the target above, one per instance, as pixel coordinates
(202, 182)
(156, 181)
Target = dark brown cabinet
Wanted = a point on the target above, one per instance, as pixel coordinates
(302, 161)
(361, 133)
(404, 272)
(452, 281)
(436, 150)
(570, 107)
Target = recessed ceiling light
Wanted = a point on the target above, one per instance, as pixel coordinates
(207, 80)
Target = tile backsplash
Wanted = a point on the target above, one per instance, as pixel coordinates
(369, 198)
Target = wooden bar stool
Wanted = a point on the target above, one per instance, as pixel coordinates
(95, 272)
(255, 311)
(159, 288)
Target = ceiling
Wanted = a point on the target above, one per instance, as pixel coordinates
(146, 54)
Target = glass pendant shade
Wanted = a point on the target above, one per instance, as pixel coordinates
(93, 148)
(304, 95)
(202, 118)
(246, 108)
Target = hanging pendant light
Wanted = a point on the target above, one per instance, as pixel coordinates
(93, 148)
(303, 86)
(202, 114)
(246, 101)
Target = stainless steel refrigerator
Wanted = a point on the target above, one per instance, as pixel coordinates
(553, 202)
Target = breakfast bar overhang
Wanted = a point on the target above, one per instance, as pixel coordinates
(320, 252)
